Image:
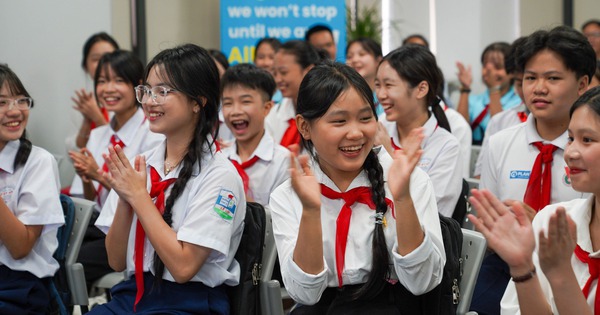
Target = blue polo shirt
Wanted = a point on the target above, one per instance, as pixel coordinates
(478, 102)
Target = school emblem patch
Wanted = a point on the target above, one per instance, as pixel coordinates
(226, 204)
(567, 177)
(6, 193)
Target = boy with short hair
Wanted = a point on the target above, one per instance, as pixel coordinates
(246, 93)
(525, 162)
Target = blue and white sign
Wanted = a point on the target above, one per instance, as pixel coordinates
(244, 23)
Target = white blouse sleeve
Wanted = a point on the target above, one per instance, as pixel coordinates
(286, 211)
(421, 270)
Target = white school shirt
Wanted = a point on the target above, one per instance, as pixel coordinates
(31, 193)
(225, 135)
(277, 121)
(419, 271)
(136, 136)
(268, 172)
(502, 120)
(510, 157)
(199, 216)
(462, 131)
(580, 210)
(440, 160)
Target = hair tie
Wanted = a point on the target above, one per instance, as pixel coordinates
(379, 219)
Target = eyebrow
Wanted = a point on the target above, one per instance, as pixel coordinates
(343, 111)
(544, 73)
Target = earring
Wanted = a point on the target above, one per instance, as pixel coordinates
(196, 110)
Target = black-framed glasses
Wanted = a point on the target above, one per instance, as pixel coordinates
(22, 103)
(158, 94)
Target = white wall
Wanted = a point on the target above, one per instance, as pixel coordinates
(460, 32)
(42, 43)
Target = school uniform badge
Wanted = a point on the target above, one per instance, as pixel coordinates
(226, 204)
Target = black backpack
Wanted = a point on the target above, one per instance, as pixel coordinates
(244, 298)
(58, 285)
(444, 298)
(460, 210)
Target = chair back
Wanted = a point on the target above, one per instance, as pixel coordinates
(473, 251)
(75, 275)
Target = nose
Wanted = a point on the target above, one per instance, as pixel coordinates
(572, 151)
(355, 132)
(539, 87)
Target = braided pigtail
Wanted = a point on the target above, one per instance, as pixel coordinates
(381, 257)
(23, 152)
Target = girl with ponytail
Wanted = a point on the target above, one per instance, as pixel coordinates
(407, 86)
(181, 205)
(346, 236)
(30, 210)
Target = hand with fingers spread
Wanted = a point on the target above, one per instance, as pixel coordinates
(86, 104)
(404, 163)
(556, 250)
(529, 211)
(85, 164)
(465, 76)
(128, 181)
(304, 182)
(509, 233)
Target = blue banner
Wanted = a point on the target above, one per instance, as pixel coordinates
(244, 23)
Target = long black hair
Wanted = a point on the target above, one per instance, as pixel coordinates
(191, 71)
(415, 64)
(15, 87)
(321, 86)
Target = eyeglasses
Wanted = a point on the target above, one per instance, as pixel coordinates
(158, 94)
(23, 103)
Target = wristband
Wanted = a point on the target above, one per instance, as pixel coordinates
(465, 90)
(524, 277)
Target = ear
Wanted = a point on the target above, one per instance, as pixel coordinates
(582, 84)
(422, 89)
(267, 106)
(203, 100)
(303, 127)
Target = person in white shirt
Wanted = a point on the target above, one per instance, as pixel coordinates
(348, 213)
(30, 209)
(407, 86)
(554, 259)
(525, 162)
(292, 61)
(181, 206)
(262, 163)
(118, 73)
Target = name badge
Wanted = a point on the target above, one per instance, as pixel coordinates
(516, 174)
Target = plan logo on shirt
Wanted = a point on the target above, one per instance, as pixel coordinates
(6, 193)
(226, 204)
(515, 174)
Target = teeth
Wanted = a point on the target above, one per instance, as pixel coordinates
(155, 114)
(111, 99)
(238, 122)
(353, 148)
(13, 124)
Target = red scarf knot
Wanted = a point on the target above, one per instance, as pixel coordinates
(241, 169)
(594, 270)
(539, 186)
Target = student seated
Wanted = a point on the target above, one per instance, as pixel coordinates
(246, 100)
(553, 260)
(174, 217)
(353, 225)
(499, 96)
(525, 162)
(30, 209)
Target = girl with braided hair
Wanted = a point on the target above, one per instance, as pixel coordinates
(348, 234)
(181, 205)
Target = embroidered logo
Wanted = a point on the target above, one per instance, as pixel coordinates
(6, 193)
(567, 176)
(226, 204)
(515, 174)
